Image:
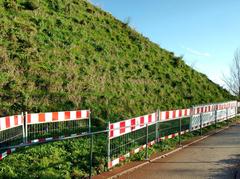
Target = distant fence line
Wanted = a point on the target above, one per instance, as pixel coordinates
(133, 135)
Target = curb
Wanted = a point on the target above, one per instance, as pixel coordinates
(169, 153)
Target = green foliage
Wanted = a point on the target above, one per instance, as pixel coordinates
(62, 55)
(30, 5)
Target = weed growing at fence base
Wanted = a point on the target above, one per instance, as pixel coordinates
(65, 159)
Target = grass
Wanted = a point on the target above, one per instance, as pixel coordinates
(67, 54)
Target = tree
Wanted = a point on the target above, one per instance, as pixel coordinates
(232, 82)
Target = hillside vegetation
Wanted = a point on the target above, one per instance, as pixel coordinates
(67, 54)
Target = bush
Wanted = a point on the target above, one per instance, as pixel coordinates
(30, 5)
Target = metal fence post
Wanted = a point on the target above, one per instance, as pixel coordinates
(201, 122)
(227, 116)
(23, 127)
(235, 112)
(215, 117)
(180, 130)
(26, 127)
(146, 142)
(236, 109)
(91, 156)
(157, 127)
(89, 122)
(191, 116)
(108, 144)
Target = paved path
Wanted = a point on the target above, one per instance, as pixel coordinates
(214, 157)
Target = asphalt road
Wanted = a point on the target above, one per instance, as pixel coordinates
(214, 157)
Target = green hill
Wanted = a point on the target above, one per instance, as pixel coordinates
(67, 54)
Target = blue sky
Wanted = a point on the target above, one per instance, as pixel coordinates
(205, 32)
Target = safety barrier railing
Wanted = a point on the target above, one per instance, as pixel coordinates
(46, 126)
(205, 115)
(39, 127)
(11, 130)
(130, 136)
(119, 141)
(133, 135)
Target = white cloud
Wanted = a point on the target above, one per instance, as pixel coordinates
(196, 52)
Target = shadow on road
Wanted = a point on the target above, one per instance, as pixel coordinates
(233, 164)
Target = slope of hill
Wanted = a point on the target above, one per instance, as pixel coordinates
(60, 55)
(67, 54)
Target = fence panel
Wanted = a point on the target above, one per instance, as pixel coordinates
(126, 136)
(207, 114)
(47, 126)
(11, 133)
(130, 136)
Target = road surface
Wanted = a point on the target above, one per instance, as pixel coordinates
(214, 157)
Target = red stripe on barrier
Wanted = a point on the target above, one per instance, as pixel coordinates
(41, 117)
(29, 118)
(174, 114)
(42, 140)
(133, 124)
(67, 115)
(7, 120)
(141, 121)
(122, 127)
(79, 114)
(167, 115)
(198, 110)
(9, 151)
(55, 116)
(180, 113)
(122, 158)
(111, 130)
(15, 120)
(150, 118)
(110, 165)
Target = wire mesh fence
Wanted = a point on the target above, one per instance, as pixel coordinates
(11, 131)
(56, 129)
(125, 145)
(56, 124)
(11, 137)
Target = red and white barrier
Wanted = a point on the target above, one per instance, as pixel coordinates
(57, 116)
(6, 153)
(123, 127)
(10, 122)
(175, 114)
